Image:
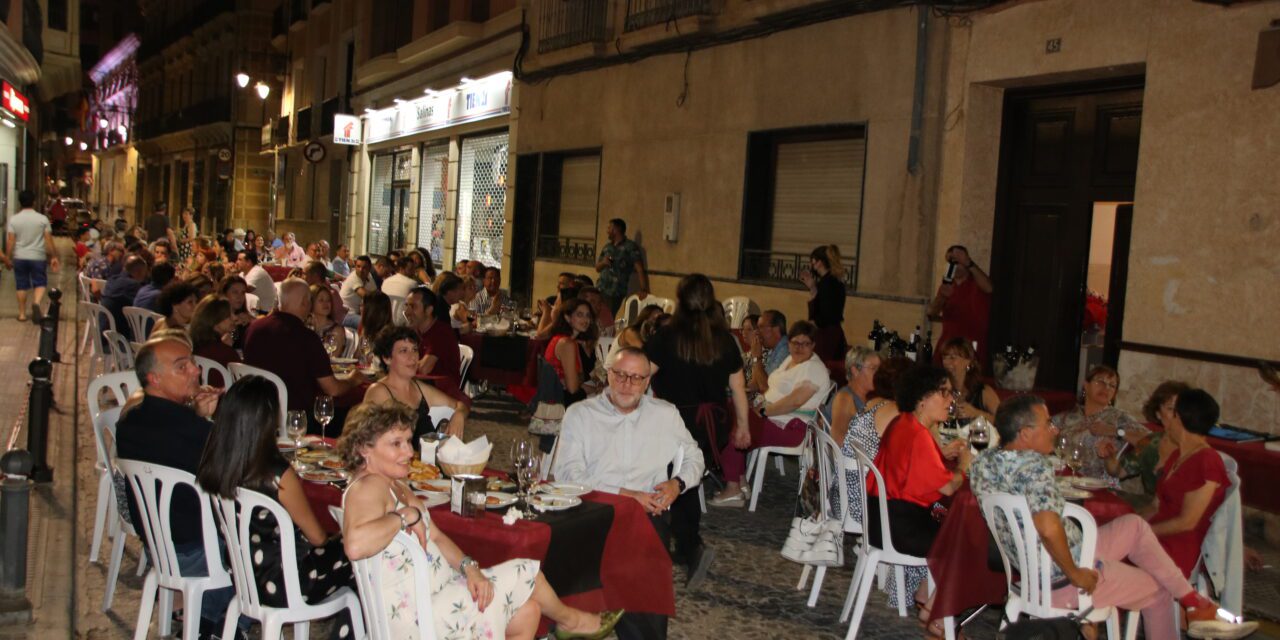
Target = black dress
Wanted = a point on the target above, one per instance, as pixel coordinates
(826, 310)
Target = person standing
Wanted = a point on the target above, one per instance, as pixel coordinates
(964, 304)
(157, 225)
(824, 279)
(28, 247)
(618, 260)
(189, 233)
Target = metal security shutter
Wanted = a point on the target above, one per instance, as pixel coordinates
(432, 188)
(380, 205)
(579, 196)
(482, 196)
(818, 195)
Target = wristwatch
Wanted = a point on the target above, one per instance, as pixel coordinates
(762, 413)
(465, 562)
(680, 483)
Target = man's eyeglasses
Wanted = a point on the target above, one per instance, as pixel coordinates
(633, 378)
(803, 344)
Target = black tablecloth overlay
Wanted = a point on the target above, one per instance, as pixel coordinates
(503, 352)
(572, 564)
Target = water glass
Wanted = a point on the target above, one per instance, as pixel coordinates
(323, 410)
(295, 426)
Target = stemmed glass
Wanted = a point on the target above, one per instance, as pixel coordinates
(521, 458)
(295, 426)
(323, 410)
(331, 344)
(1075, 456)
(979, 437)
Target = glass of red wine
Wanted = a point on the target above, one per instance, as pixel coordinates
(979, 437)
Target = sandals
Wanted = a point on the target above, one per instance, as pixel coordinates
(937, 629)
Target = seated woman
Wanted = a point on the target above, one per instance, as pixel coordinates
(749, 340)
(241, 453)
(976, 398)
(860, 366)
(235, 290)
(397, 348)
(571, 351)
(202, 283)
(460, 316)
(633, 335)
(212, 333)
(1192, 483)
(321, 321)
(1150, 454)
(375, 315)
(505, 600)
(599, 306)
(915, 475)
(865, 429)
(795, 392)
(1088, 425)
(177, 303)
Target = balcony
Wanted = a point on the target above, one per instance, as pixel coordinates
(297, 12)
(565, 249)
(644, 13)
(567, 23)
(157, 39)
(280, 133)
(328, 109)
(207, 112)
(303, 123)
(279, 25)
(783, 269)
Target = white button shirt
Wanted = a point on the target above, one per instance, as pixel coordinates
(608, 450)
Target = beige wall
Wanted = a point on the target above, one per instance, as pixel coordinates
(1206, 225)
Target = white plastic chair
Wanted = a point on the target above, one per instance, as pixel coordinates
(397, 311)
(121, 384)
(440, 414)
(120, 356)
(141, 321)
(251, 301)
(465, 354)
(352, 342)
(153, 486)
(99, 320)
(758, 459)
(369, 574)
(207, 366)
(870, 557)
(831, 470)
(603, 345)
(736, 309)
(234, 518)
(1033, 593)
(632, 305)
(84, 285)
(240, 370)
(107, 512)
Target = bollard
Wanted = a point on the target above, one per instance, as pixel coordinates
(41, 400)
(15, 500)
(49, 328)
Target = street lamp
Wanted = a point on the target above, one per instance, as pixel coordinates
(68, 140)
(242, 79)
(84, 146)
(102, 123)
(263, 89)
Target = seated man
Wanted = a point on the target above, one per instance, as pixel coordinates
(398, 284)
(281, 343)
(257, 278)
(120, 291)
(489, 298)
(768, 349)
(169, 428)
(622, 441)
(149, 292)
(358, 284)
(438, 352)
(1132, 571)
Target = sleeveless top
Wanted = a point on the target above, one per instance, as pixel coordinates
(423, 426)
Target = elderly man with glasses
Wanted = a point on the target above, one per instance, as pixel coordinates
(623, 441)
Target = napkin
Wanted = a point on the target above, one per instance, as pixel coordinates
(454, 451)
(511, 516)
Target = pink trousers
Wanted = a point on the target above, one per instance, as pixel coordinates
(1134, 573)
(764, 433)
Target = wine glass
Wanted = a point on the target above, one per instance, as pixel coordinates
(521, 454)
(323, 410)
(527, 477)
(295, 425)
(330, 344)
(979, 437)
(1075, 457)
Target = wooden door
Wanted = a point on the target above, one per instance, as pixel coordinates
(1061, 150)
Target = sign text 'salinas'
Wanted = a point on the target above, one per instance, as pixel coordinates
(477, 100)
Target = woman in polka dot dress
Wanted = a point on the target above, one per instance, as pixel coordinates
(241, 452)
(467, 602)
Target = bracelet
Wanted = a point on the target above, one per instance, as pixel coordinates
(419, 512)
(465, 562)
(404, 524)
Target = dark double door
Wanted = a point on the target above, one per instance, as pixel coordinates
(1062, 150)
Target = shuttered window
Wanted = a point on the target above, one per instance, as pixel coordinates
(579, 196)
(567, 201)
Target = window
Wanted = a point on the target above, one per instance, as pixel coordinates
(804, 189)
(431, 199)
(58, 15)
(568, 204)
(392, 26)
(482, 197)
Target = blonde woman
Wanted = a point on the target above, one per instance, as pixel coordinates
(824, 279)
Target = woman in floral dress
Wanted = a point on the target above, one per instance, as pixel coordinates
(503, 601)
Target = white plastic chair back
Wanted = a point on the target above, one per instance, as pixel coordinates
(397, 311)
(834, 497)
(632, 305)
(234, 517)
(240, 370)
(84, 286)
(104, 440)
(465, 354)
(153, 486)
(736, 309)
(120, 357)
(440, 414)
(120, 384)
(98, 320)
(251, 300)
(369, 575)
(603, 345)
(352, 343)
(207, 366)
(141, 321)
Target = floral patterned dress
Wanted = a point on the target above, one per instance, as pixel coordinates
(455, 615)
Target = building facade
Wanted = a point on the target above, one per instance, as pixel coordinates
(197, 130)
(19, 72)
(1119, 148)
(112, 105)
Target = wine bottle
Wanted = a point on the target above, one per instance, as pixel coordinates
(913, 345)
(926, 348)
(876, 335)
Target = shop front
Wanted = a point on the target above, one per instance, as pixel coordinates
(15, 111)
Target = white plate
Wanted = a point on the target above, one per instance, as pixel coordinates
(286, 445)
(1072, 493)
(564, 489)
(432, 499)
(503, 500)
(324, 475)
(1085, 482)
(438, 485)
(543, 502)
(343, 360)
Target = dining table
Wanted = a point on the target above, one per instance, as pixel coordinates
(602, 554)
(958, 559)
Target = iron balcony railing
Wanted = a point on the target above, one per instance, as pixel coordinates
(212, 110)
(781, 268)
(565, 23)
(280, 134)
(565, 249)
(328, 109)
(303, 120)
(643, 13)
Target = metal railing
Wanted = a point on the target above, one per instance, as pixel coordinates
(782, 268)
(565, 249)
(643, 13)
(328, 109)
(565, 23)
(303, 119)
(217, 109)
(280, 133)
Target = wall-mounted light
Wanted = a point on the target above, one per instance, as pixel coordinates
(46, 164)
(84, 146)
(398, 101)
(122, 130)
(242, 79)
(8, 123)
(263, 89)
(102, 123)
(68, 140)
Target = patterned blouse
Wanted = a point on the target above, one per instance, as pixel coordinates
(1075, 426)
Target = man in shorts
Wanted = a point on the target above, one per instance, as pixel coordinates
(30, 247)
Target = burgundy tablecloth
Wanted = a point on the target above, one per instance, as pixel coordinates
(635, 570)
(958, 559)
(277, 272)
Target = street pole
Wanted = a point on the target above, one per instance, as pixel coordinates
(15, 513)
(39, 402)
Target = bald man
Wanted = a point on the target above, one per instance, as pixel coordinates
(282, 344)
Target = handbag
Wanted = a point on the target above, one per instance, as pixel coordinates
(548, 401)
(1064, 628)
(546, 419)
(814, 538)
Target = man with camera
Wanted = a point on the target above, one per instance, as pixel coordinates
(963, 302)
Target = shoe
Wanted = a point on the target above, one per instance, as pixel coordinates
(737, 500)
(608, 620)
(699, 563)
(36, 314)
(1205, 621)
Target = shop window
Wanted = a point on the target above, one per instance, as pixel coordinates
(432, 188)
(482, 197)
(568, 202)
(804, 189)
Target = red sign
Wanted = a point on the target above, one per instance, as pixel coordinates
(14, 102)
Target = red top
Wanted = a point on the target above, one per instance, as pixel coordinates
(81, 249)
(967, 313)
(441, 342)
(1203, 466)
(910, 462)
(282, 344)
(550, 356)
